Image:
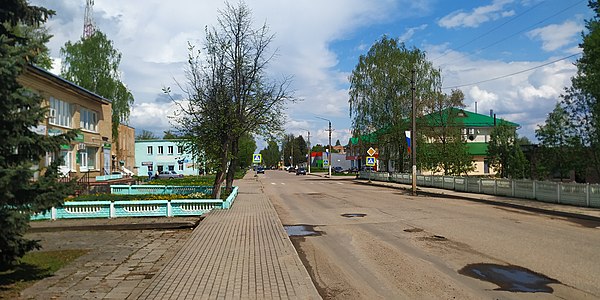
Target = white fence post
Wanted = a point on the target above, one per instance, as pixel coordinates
(479, 187)
(495, 186)
(558, 188)
(53, 213)
(534, 190)
(169, 209)
(112, 212)
(512, 186)
(587, 195)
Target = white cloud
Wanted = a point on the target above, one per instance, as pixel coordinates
(482, 95)
(524, 98)
(477, 16)
(408, 34)
(556, 36)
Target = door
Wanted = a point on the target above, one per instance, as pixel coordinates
(106, 161)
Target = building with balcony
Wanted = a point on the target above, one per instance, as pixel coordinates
(73, 107)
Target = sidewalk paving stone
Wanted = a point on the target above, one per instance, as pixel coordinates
(240, 253)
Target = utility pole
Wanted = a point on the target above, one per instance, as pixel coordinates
(329, 155)
(329, 149)
(292, 151)
(413, 135)
(308, 153)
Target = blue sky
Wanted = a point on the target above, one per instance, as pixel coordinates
(319, 42)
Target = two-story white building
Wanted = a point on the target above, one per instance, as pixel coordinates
(153, 156)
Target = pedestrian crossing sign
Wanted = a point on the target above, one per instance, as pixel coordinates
(257, 158)
(326, 163)
(370, 161)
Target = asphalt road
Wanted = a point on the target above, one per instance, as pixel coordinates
(396, 246)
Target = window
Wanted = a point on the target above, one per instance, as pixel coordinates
(88, 119)
(180, 167)
(149, 150)
(83, 160)
(179, 150)
(171, 168)
(91, 157)
(60, 113)
(66, 163)
(170, 150)
(160, 150)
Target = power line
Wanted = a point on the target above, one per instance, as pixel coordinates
(511, 74)
(489, 31)
(531, 26)
(520, 31)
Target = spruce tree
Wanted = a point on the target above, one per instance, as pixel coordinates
(21, 150)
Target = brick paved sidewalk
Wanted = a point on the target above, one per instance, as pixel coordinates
(240, 253)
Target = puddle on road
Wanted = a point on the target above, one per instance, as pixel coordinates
(413, 230)
(301, 230)
(510, 278)
(353, 215)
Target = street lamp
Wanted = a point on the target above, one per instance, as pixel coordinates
(329, 155)
(413, 142)
(308, 153)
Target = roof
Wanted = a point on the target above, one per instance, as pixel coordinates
(370, 138)
(465, 119)
(161, 140)
(61, 81)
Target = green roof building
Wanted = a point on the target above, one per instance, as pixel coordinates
(475, 128)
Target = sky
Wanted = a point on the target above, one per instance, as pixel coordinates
(531, 45)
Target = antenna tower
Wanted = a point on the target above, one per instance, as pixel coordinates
(88, 21)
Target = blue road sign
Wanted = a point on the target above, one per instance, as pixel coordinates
(325, 162)
(370, 161)
(256, 158)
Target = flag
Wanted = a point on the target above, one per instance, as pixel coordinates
(407, 133)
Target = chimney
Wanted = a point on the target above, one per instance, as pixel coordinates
(491, 113)
(475, 106)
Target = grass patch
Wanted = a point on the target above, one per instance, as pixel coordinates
(34, 266)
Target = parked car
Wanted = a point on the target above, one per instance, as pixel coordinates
(260, 169)
(338, 169)
(291, 169)
(301, 171)
(169, 175)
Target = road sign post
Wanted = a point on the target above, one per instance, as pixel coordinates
(370, 162)
(256, 159)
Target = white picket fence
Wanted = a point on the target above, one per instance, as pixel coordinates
(577, 194)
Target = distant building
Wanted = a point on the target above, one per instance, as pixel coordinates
(153, 156)
(475, 130)
(124, 157)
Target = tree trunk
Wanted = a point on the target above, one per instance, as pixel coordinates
(232, 166)
(220, 176)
